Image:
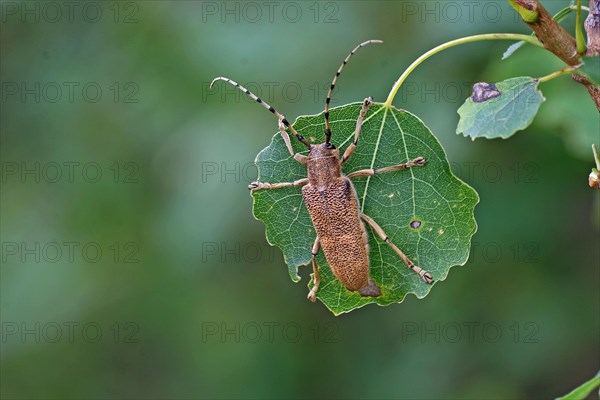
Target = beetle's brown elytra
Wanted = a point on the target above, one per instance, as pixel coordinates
(332, 201)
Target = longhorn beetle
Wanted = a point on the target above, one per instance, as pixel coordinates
(332, 201)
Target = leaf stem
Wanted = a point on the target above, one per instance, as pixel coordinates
(584, 8)
(579, 30)
(596, 157)
(560, 72)
(476, 38)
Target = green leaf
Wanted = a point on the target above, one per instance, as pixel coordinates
(591, 68)
(500, 110)
(584, 390)
(431, 195)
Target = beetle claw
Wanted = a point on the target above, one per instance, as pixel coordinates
(427, 278)
(419, 161)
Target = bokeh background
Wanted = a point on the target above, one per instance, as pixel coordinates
(132, 266)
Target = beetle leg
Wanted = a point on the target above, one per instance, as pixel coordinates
(426, 276)
(317, 279)
(417, 162)
(264, 185)
(361, 117)
(302, 159)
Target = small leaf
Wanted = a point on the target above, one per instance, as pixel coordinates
(512, 48)
(591, 68)
(426, 211)
(584, 390)
(502, 115)
(527, 11)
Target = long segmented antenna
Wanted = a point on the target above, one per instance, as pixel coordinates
(327, 127)
(265, 105)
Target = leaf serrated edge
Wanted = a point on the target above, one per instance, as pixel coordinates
(470, 235)
(463, 184)
(297, 278)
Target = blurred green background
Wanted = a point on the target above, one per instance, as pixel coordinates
(132, 266)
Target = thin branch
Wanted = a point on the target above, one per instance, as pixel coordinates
(550, 33)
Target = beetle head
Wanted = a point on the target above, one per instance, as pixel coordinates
(323, 150)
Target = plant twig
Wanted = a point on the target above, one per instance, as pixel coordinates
(560, 42)
(550, 33)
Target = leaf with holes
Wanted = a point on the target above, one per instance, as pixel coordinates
(442, 204)
(500, 110)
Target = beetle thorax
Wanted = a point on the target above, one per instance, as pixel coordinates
(323, 165)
